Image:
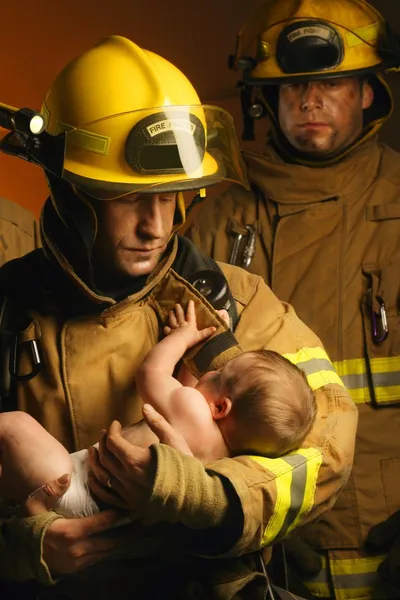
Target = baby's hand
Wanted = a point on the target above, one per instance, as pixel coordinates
(186, 325)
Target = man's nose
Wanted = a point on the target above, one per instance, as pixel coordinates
(311, 97)
(151, 222)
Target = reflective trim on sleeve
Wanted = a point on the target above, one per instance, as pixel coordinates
(385, 377)
(352, 579)
(296, 479)
(317, 367)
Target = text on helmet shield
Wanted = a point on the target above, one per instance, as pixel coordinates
(171, 124)
(320, 32)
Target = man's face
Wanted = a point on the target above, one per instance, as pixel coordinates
(133, 232)
(323, 116)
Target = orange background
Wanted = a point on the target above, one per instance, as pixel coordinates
(39, 38)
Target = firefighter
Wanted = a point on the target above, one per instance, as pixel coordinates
(321, 225)
(87, 308)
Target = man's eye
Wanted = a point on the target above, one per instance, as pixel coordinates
(295, 87)
(167, 198)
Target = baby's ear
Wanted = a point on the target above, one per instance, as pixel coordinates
(220, 407)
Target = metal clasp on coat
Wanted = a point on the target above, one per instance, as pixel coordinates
(14, 359)
(380, 328)
(249, 249)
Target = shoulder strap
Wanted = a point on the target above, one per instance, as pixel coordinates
(190, 260)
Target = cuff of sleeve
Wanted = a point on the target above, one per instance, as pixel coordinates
(185, 492)
(22, 552)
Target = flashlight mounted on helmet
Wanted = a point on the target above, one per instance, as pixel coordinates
(23, 120)
(28, 139)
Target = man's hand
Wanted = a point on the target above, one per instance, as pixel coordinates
(186, 325)
(70, 544)
(73, 544)
(124, 474)
(385, 537)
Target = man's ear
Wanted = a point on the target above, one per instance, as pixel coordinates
(220, 407)
(367, 94)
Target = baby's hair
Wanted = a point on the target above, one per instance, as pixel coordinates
(272, 402)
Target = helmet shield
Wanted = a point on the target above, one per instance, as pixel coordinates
(165, 149)
(309, 47)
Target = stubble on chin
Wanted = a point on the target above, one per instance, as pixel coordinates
(316, 145)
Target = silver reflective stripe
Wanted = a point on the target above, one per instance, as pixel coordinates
(316, 364)
(297, 490)
(379, 379)
(355, 581)
(295, 476)
(385, 374)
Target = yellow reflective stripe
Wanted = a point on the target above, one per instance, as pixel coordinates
(283, 481)
(357, 578)
(92, 142)
(319, 590)
(383, 395)
(312, 465)
(385, 377)
(317, 367)
(296, 476)
(352, 566)
(388, 364)
(368, 33)
(352, 579)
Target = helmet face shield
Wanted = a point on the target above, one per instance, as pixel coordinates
(309, 47)
(165, 149)
(169, 142)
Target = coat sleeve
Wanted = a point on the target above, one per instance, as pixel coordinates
(19, 231)
(21, 548)
(268, 497)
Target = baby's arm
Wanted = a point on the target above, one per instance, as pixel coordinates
(184, 407)
(155, 382)
(184, 376)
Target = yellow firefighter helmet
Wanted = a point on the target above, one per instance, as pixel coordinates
(134, 123)
(291, 40)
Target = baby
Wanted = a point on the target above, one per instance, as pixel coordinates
(258, 403)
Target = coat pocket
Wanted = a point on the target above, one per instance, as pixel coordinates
(381, 329)
(390, 470)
